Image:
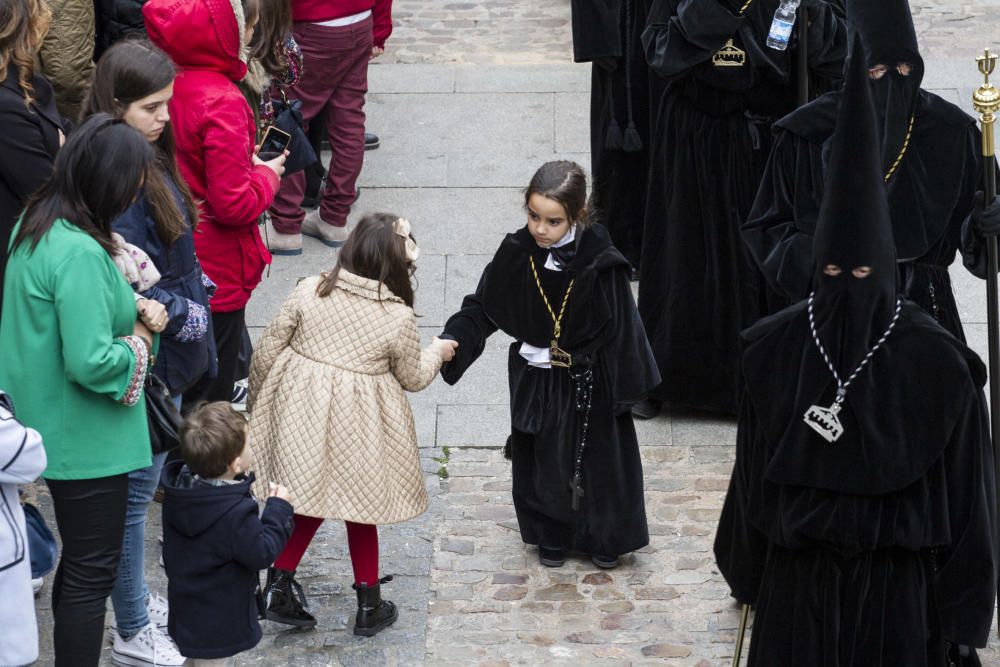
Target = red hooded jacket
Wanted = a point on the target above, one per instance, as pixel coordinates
(214, 131)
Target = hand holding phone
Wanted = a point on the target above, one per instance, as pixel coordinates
(274, 144)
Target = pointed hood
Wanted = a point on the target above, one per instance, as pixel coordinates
(889, 39)
(200, 34)
(854, 232)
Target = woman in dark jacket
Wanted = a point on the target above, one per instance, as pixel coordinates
(32, 129)
(133, 80)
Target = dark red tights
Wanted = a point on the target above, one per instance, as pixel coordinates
(362, 540)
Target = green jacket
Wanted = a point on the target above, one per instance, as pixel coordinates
(65, 359)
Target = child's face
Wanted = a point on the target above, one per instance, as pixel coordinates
(547, 220)
(241, 463)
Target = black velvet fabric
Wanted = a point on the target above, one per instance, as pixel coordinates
(878, 548)
(711, 134)
(622, 96)
(602, 329)
(930, 193)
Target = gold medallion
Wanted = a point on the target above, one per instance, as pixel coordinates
(559, 357)
(729, 55)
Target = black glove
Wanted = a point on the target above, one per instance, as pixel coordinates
(986, 219)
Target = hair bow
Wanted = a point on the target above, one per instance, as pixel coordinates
(402, 227)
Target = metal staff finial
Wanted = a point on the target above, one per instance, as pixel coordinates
(987, 63)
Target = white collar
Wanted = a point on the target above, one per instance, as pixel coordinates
(568, 238)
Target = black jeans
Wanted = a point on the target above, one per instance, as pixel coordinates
(228, 328)
(90, 515)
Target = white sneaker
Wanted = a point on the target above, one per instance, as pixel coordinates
(37, 585)
(149, 648)
(158, 610)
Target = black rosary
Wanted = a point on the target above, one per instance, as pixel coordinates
(583, 381)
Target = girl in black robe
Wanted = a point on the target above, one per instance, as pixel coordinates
(571, 428)
(698, 285)
(608, 34)
(864, 537)
(930, 156)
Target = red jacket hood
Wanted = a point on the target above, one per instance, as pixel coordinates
(199, 34)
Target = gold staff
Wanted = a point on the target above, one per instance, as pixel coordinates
(986, 100)
(744, 617)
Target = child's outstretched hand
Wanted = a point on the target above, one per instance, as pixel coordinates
(445, 347)
(278, 491)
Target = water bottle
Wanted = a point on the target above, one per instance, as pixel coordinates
(781, 26)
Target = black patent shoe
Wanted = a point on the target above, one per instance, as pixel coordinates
(371, 141)
(285, 601)
(374, 613)
(604, 562)
(646, 408)
(550, 557)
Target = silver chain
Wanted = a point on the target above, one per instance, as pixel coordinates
(841, 385)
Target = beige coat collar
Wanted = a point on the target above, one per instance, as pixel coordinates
(365, 287)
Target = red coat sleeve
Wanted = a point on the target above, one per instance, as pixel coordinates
(382, 22)
(236, 191)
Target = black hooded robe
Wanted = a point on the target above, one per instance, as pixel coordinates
(601, 328)
(699, 286)
(608, 35)
(930, 198)
(874, 550)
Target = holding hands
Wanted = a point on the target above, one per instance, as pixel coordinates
(153, 314)
(278, 491)
(445, 347)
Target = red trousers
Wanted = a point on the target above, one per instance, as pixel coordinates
(362, 540)
(335, 78)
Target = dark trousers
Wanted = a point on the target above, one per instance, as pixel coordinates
(228, 329)
(90, 515)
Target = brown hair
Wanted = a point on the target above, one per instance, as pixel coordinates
(251, 14)
(127, 72)
(375, 251)
(212, 436)
(23, 24)
(564, 182)
(274, 26)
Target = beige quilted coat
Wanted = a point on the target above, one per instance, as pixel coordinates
(329, 417)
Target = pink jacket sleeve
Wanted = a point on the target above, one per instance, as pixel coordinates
(382, 21)
(236, 191)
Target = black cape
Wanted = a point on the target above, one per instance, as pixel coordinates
(699, 286)
(875, 550)
(930, 198)
(622, 94)
(602, 329)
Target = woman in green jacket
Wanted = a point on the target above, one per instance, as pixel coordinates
(74, 350)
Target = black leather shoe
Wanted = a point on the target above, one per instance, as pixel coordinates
(550, 557)
(285, 601)
(646, 408)
(374, 613)
(371, 141)
(604, 562)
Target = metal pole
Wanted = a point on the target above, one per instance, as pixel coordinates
(986, 101)
(802, 73)
(744, 617)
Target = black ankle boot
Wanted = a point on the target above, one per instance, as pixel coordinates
(374, 613)
(286, 603)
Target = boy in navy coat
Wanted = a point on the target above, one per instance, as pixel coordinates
(214, 542)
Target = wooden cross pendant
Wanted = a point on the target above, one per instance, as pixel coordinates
(577, 490)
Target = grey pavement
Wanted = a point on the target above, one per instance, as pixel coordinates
(463, 126)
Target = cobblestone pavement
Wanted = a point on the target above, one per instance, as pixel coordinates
(486, 94)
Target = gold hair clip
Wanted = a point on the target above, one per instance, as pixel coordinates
(402, 227)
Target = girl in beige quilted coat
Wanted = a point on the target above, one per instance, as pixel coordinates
(329, 416)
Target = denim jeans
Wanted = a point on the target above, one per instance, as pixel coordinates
(130, 591)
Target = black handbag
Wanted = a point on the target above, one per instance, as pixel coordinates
(288, 117)
(163, 416)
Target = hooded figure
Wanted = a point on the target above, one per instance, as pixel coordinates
(860, 515)
(698, 285)
(609, 35)
(929, 155)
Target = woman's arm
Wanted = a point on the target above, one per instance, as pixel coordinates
(26, 163)
(94, 358)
